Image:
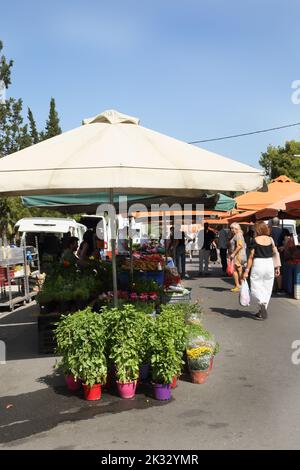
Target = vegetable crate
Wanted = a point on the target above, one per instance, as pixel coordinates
(174, 297)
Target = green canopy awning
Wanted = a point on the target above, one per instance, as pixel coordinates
(225, 203)
(90, 201)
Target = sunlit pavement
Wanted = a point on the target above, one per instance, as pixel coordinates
(251, 399)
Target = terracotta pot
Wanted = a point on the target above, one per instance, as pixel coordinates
(199, 376)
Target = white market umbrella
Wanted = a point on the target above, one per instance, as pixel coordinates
(112, 152)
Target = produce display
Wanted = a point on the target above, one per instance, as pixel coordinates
(68, 284)
(141, 262)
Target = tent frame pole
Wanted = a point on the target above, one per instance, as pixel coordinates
(113, 252)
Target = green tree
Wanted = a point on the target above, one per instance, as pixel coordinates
(33, 129)
(279, 160)
(5, 67)
(14, 136)
(52, 123)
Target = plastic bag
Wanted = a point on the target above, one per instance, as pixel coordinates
(230, 267)
(245, 294)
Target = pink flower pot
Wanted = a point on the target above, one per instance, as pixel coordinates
(126, 390)
(72, 384)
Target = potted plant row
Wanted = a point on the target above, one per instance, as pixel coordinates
(81, 341)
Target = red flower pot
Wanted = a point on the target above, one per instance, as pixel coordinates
(93, 392)
(174, 382)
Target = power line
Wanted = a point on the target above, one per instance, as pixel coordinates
(245, 133)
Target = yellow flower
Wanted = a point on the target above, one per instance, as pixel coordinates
(197, 352)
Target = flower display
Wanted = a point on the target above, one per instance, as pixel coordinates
(199, 358)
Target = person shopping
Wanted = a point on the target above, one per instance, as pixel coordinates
(237, 254)
(206, 239)
(263, 252)
(223, 247)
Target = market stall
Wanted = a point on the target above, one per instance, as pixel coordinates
(105, 154)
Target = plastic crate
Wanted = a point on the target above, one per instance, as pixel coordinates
(176, 298)
(157, 276)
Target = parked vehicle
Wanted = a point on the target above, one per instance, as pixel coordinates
(291, 226)
(50, 234)
(102, 226)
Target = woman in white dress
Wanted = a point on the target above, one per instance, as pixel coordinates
(262, 253)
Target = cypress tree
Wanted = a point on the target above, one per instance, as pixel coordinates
(33, 130)
(52, 123)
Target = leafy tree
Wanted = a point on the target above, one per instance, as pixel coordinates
(14, 136)
(33, 129)
(5, 68)
(52, 123)
(279, 160)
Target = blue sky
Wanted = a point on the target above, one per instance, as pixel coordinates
(193, 70)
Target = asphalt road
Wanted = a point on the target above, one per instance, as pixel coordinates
(250, 401)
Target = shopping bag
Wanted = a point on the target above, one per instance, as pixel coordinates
(213, 255)
(245, 294)
(230, 267)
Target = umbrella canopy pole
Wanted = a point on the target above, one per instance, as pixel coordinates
(113, 251)
(130, 253)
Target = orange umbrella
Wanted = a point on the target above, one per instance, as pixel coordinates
(247, 216)
(278, 189)
(288, 207)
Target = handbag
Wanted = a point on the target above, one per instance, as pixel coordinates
(276, 257)
(230, 267)
(213, 255)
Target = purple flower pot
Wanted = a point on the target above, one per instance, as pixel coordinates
(162, 391)
(144, 372)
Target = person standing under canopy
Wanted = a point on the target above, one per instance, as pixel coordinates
(223, 246)
(205, 239)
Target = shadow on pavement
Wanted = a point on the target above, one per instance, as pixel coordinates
(216, 289)
(35, 412)
(233, 313)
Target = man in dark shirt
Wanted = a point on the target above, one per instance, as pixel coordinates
(180, 255)
(276, 232)
(205, 238)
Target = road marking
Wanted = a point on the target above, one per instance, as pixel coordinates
(15, 422)
(19, 324)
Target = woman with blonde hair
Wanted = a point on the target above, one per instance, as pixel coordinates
(262, 253)
(237, 254)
